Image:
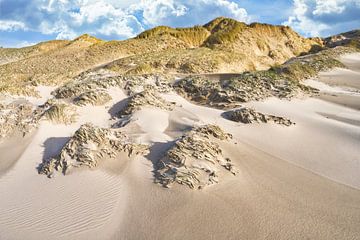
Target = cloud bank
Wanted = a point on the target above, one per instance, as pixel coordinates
(324, 17)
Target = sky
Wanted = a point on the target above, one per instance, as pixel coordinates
(27, 22)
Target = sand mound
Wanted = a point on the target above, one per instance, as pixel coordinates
(229, 93)
(148, 97)
(91, 84)
(195, 160)
(86, 82)
(59, 112)
(17, 117)
(137, 83)
(249, 115)
(88, 147)
(282, 81)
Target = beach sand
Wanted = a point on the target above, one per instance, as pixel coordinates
(297, 182)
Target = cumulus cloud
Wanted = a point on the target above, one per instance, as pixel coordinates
(328, 7)
(120, 19)
(11, 25)
(155, 12)
(324, 17)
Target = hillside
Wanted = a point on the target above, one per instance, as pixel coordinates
(351, 38)
(62, 63)
(221, 46)
(8, 55)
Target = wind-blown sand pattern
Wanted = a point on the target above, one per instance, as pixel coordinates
(163, 156)
(195, 159)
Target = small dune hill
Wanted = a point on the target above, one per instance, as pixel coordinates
(84, 40)
(351, 38)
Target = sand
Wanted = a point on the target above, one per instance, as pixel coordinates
(297, 182)
(340, 86)
(271, 198)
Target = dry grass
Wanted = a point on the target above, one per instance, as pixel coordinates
(60, 113)
(194, 36)
(226, 30)
(199, 60)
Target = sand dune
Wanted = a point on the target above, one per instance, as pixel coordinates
(295, 182)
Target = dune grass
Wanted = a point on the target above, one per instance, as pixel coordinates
(194, 36)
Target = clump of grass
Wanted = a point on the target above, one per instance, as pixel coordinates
(94, 97)
(60, 113)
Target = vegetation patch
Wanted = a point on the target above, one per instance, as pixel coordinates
(59, 112)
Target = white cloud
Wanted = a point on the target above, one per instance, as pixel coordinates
(324, 17)
(156, 11)
(124, 27)
(122, 19)
(66, 34)
(300, 22)
(329, 6)
(238, 12)
(10, 25)
(94, 11)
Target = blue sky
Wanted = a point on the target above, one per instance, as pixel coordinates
(26, 22)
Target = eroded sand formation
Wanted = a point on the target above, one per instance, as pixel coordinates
(88, 147)
(148, 97)
(196, 159)
(249, 115)
(283, 81)
(101, 80)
